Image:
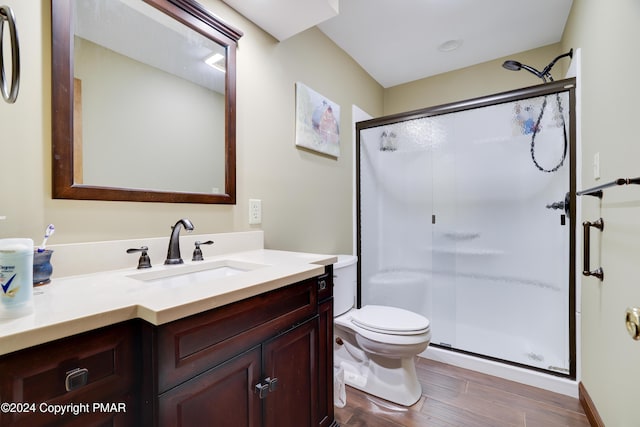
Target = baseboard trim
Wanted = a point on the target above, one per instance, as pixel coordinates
(589, 407)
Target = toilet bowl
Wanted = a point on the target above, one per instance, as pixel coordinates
(376, 345)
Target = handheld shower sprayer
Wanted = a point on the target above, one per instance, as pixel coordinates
(544, 74)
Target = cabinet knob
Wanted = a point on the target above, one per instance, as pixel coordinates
(267, 387)
(271, 382)
(322, 284)
(262, 390)
(76, 378)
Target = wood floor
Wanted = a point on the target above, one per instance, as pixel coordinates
(453, 396)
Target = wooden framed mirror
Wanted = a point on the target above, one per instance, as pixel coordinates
(144, 102)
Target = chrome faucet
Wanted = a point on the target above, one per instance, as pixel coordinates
(173, 253)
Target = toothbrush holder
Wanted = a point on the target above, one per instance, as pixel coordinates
(42, 267)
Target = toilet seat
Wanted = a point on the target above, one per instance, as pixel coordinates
(390, 320)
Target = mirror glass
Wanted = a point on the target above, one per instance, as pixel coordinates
(144, 101)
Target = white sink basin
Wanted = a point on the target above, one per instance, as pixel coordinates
(200, 273)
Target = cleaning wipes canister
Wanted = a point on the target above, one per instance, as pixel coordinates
(16, 277)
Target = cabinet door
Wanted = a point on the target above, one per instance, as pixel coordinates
(291, 358)
(222, 397)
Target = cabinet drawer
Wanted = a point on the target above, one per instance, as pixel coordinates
(190, 346)
(107, 363)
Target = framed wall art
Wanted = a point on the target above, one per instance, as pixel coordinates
(317, 122)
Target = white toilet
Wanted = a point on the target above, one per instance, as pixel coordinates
(376, 345)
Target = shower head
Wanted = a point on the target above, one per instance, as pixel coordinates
(517, 66)
(512, 65)
(544, 74)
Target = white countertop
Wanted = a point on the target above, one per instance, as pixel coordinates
(75, 304)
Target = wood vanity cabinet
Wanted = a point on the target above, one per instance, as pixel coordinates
(94, 373)
(262, 361)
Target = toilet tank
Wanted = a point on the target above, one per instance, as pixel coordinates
(345, 282)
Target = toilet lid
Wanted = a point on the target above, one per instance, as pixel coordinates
(390, 320)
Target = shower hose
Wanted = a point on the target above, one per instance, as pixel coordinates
(536, 129)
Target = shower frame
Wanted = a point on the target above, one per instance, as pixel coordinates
(550, 88)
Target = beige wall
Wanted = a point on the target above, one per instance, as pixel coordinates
(471, 82)
(608, 34)
(306, 198)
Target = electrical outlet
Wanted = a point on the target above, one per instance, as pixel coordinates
(596, 166)
(255, 211)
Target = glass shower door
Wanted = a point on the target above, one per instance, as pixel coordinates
(508, 254)
(456, 222)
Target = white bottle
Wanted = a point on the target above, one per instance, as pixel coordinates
(16, 277)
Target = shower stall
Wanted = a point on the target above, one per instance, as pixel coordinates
(465, 215)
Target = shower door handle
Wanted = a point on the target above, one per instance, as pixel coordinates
(563, 204)
(586, 228)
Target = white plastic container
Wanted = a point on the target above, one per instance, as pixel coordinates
(16, 278)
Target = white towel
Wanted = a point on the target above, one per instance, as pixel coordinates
(339, 389)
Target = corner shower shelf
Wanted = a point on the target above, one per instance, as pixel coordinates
(458, 251)
(597, 191)
(461, 235)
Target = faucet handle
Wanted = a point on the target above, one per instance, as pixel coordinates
(197, 252)
(144, 261)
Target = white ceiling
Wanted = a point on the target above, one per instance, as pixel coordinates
(285, 18)
(396, 41)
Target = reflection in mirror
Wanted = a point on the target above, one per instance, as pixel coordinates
(150, 111)
(151, 118)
